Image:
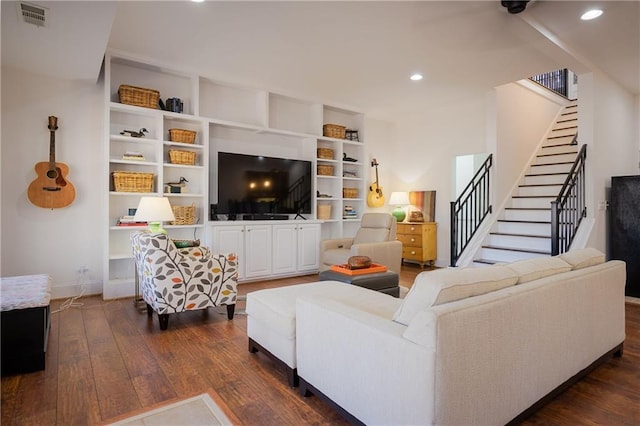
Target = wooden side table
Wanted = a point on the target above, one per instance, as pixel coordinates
(418, 242)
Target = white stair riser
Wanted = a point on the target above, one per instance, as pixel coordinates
(561, 130)
(558, 141)
(532, 203)
(553, 159)
(512, 241)
(558, 149)
(550, 168)
(507, 255)
(523, 228)
(535, 191)
(528, 215)
(544, 179)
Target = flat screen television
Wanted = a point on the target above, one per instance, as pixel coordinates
(251, 184)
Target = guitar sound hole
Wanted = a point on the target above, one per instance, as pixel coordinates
(52, 174)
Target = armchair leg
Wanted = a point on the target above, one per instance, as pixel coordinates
(149, 310)
(230, 310)
(164, 321)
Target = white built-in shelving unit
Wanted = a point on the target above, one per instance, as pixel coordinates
(228, 118)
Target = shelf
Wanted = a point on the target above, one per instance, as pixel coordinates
(183, 145)
(135, 194)
(134, 162)
(132, 140)
(182, 166)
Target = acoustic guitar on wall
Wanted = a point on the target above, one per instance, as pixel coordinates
(51, 189)
(375, 198)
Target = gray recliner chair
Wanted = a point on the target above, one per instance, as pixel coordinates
(376, 239)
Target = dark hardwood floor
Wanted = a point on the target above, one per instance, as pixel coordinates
(106, 359)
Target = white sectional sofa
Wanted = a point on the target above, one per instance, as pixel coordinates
(478, 346)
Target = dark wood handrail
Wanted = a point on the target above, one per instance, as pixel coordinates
(470, 209)
(569, 208)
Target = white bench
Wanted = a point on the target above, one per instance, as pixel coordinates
(271, 316)
(25, 318)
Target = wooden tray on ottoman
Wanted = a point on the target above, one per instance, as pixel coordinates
(373, 269)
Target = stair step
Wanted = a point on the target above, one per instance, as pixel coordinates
(537, 202)
(558, 149)
(545, 191)
(566, 120)
(510, 254)
(546, 159)
(523, 227)
(527, 215)
(539, 169)
(540, 179)
(562, 132)
(519, 241)
(486, 262)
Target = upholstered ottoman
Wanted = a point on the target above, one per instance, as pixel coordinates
(24, 314)
(271, 316)
(384, 282)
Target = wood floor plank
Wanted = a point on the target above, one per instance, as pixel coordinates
(106, 358)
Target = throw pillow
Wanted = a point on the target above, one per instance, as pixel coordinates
(447, 285)
(533, 269)
(583, 258)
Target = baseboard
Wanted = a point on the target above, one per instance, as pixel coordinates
(65, 291)
(632, 300)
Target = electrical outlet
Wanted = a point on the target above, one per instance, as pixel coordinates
(603, 205)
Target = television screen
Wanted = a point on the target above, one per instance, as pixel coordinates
(250, 184)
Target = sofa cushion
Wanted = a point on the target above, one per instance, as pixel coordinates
(446, 285)
(533, 269)
(583, 258)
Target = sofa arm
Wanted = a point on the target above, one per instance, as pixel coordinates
(361, 362)
(335, 244)
(388, 253)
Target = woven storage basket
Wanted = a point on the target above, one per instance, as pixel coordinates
(325, 170)
(334, 131)
(324, 211)
(325, 153)
(138, 96)
(181, 135)
(185, 215)
(132, 182)
(350, 192)
(178, 156)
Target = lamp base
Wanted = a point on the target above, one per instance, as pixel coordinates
(156, 228)
(399, 214)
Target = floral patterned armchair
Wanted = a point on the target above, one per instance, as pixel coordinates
(177, 280)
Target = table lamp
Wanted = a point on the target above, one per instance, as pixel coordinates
(154, 210)
(399, 199)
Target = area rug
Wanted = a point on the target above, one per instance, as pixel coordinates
(204, 409)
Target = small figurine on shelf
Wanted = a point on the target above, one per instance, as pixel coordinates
(351, 135)
(177, 187)
(139, 134)
(345, 158)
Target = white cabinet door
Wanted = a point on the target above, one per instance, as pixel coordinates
(258, 251)
(308, 247)
(230, 239)
(285, 241)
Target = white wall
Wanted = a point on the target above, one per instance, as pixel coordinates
(523, 117)
(417, 154)
(36, 240)
(609, 118)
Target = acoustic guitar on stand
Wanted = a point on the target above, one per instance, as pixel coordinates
(51, 189)
(375, 198)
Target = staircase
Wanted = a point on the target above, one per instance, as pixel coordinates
(523, 229)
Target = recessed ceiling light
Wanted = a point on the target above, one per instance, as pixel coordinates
(198, 1)
(416, 77)
(591, 14)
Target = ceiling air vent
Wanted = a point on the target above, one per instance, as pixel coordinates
(33, 14)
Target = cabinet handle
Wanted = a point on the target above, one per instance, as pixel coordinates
(413, 240)
(413, 252)
(413, 228)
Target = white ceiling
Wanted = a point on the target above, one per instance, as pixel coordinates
(358, 54)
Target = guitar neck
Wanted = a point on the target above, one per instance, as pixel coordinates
(53, 126)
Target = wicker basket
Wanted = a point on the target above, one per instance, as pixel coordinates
(334, 131)
(325, 153)
(324, 211)
(132, 182)
(178, 156)
(181, 135)
(138, 96)
(325, 170)
(185, 215)
(350, 192)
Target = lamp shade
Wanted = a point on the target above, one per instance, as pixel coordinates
(399, 199)
(154, 210)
